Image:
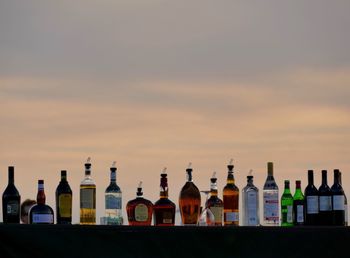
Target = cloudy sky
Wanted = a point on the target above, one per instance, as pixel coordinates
(155, 84)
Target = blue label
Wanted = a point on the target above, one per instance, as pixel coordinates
(113, 202)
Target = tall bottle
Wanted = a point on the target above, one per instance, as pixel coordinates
(113, 200)
(231, 199)
(189, 201)
(214, 203)
(338, 201)
(325, 202)
(64, 200)
(41, 213)
(250, 203)
(164, 209)
(311, 201)
(11, 200)
(287, 206)
(298, 205)
(345, 201)
(270, 199)
(87, 197)
(139, 210)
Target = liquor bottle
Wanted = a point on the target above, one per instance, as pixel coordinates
(64, 200)
(311, 201)
(338, 201)
(345, 201)
(214, 203)
(164, 209)
(189, 201)
(11, 200)
(287, 206)
(139, 210)
(325, 202)
(87, 197)
(231, 199)
(113, 200)
(298, 205)
(250, 203)
(41, 213)
(270, 199)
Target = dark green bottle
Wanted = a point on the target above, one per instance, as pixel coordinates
(287, 206)
(298, 205)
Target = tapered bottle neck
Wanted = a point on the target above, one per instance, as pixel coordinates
(113, 175)
(310, 176)
(336, 177)
(213, 187)
(87, 170)
(324, 177)
(189, 175)
(250, 180)
(163, 186)
(230, 177)
(286, 187)
(41, 198)
(11, 175)
(63, 176)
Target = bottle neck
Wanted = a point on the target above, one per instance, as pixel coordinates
(163, 192)
(249, 180)
(11, 177)
(324, 177)
(270, 169)
(113, 177)
(336, 177)
(213, 187)
(286, 187)
(189, 175)
(310, 177)
(41, 198)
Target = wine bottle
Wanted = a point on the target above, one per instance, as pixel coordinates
(250, 203)
(298, 205)
(64, 200)
(345, 201)
(41, 213)
(87, 197)
(231, 199)
(287, 206)
(325, 199)
(270, 199)
(338, 201)
(11, 200)
(311, 203)
(214, 203)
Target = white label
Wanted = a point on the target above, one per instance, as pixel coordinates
(232, 216)
(217, 212)
(252, 209)
(290, 214)
(42, 218)
(312, 204)
(300, 213)
(271, 206)
(338, 202)
(325, 203)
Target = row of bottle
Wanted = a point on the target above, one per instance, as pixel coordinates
(217, 211)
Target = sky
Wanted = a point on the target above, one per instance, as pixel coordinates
(154, 84)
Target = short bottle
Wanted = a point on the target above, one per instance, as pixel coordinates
(139, 210)
(11, 200)
(164, 209)
(87, 197)
(113, 200)
(250, 203)
(338, 201)
(64, 200)
(214, 203)
(311, 201)
(41, 213)
(270, 199)
(298, 205)
(345, 201)
(231, 199)
(189, 201)
(325, 202)
(287, 206)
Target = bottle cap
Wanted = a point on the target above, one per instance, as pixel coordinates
(139, 189)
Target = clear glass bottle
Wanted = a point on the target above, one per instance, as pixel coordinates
(287, 206)
(87, 197)
(214, 203)
(250, 203)
(298, 205)
(41, 213)
(231, 199)
(270, 199)
(113, 200)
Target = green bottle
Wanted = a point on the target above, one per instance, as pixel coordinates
(287, 206)
(298, 205)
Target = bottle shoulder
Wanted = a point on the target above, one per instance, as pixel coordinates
(139, 200)
(63, 188)
(113, 188)
(41, 208)
(310, 190)
(215, 201)
(164, 202)
(189, 190)
(10, 191)
(230, 186)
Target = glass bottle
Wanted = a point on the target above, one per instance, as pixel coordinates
(11, 200)
(113, 200)
(287, 206)
(325, 202)
(298, 205)
(345, 201)
(64, 200)
(189, 201)
(338, 201)
(231, 199)
(311, 201)
(250, 203)
(87, 197)
(41, 213)
(164, 209)
(270, 199)
(139, 210)
(207, 217)
(214, 203)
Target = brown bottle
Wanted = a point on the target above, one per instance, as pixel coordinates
(231, 199)
(214, 203)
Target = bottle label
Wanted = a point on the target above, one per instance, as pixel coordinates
(232, 216)
(113, 202)
(167, 217)
(87, 198)
(12, 208)
(252, 208)
(217, 212)
(42, 218)
(65, 205)
(290, 214)
(338, 202)
(312, 204)
(271, 206)
(300, 213)
(141, 212)
(325, 203)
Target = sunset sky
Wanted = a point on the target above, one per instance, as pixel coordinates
(153, 84)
